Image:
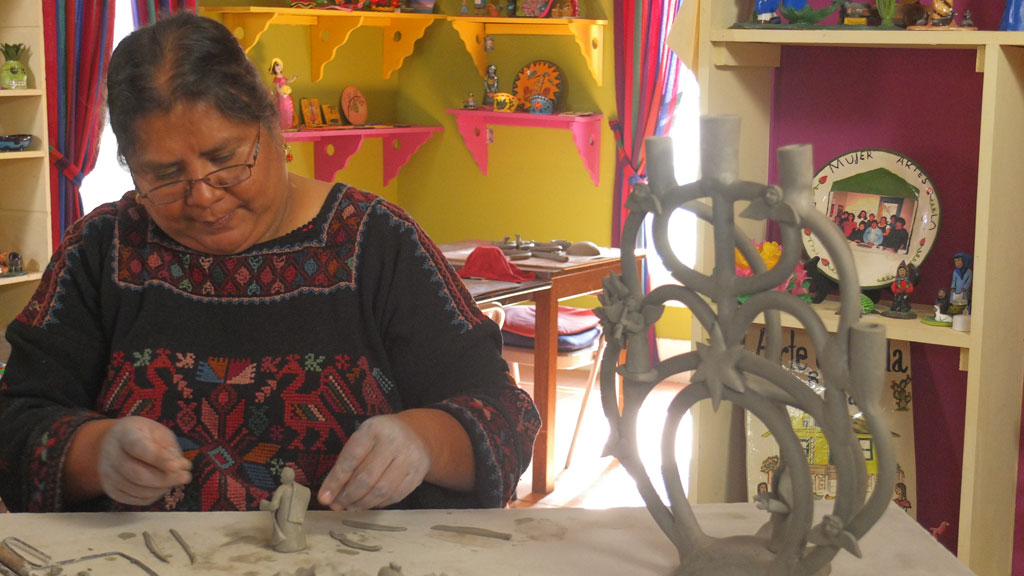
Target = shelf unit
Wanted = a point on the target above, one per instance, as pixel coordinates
(735, 74)
(589, 36)
(25, 224)
(586, 133)
(333, 148)
(328, 30)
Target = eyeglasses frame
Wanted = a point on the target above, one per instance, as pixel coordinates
(205, 179)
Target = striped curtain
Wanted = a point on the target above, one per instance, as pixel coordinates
(146, 11)
(646, 88)
(78, 35)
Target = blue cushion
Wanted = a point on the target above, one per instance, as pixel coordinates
(566, 342)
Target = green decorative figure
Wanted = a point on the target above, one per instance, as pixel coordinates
(13, 75)
(887, 10)
(797, 12)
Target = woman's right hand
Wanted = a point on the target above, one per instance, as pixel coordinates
(140, 460)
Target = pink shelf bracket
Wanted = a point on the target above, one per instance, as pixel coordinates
(586, 133)
(333, 148)
(399, 147)
(330, 155)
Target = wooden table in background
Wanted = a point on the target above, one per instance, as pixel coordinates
(580, 276)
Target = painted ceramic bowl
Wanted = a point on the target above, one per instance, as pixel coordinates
(15, 142)
(505, 102)
(540, 104)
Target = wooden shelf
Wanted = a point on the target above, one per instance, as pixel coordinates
(586, 133)
(333, 148)
(21, 93)
(589, 36)
(895, 329)
(328, 30)
(736, 78)
(23, 154)
(29, 277)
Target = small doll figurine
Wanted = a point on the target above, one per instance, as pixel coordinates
(942, 307)
(285, 106)
(960, 287)
(490, 85)
(470, 102)
(902, 287)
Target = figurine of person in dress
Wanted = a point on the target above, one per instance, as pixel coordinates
(960, 287)
(289, 507)
(490, 85)
(285, 106)
(942, 307)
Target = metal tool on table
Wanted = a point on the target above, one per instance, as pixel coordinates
(25, 559)
(519, 249)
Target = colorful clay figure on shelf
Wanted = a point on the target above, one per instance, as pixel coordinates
(1013, 15)
(289, 505)
(490, 85)
(939, 15)
(470, 102)
(285, 106)
(799, 13)
(960, 287)
(902, 287)
(766, 12)
(13, 75)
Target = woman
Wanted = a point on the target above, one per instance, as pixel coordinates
(228, 320)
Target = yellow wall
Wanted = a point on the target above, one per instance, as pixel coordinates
(536, 184)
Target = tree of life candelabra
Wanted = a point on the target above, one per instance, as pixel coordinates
(852, 361)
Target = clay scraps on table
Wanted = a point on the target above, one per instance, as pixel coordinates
(351, 522)
(184, 546)
(151, 544)
(473, 531)
(344, 539)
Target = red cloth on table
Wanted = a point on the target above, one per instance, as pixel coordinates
(521, 320)
(491, 263)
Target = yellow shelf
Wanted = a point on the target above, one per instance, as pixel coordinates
(589, 36)
(328, 30)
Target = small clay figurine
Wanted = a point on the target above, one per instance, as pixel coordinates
(902, 287)
(289, 507)
(470, 102)
(285, 106)
(490, 85)
(464, 10)
(960, 287)
(766, 11)
(942, 307)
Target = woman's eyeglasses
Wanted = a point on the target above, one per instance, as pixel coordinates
(221, 178)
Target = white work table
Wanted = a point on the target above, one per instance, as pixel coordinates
(550, 541)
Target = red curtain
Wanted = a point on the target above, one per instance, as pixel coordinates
(78, 35)
(646, 87)
(146, 11)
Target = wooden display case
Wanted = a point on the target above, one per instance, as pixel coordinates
(25, 223)
(736, 73)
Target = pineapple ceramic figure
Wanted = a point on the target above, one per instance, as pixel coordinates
(12, 74)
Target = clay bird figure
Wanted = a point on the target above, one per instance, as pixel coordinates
(808, 15)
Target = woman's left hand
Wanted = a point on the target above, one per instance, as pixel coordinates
(382, 463)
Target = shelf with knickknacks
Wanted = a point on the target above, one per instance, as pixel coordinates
(585, 128)
(328, 30)
(588, 34)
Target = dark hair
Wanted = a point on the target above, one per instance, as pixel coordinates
(182, 58)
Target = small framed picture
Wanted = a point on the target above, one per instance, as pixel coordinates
(332, 117)
(311, 112)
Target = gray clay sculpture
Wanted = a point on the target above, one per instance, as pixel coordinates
(852, 360)
(289, 507)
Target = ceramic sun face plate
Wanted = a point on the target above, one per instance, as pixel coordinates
(887, 207)
(537, 77)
